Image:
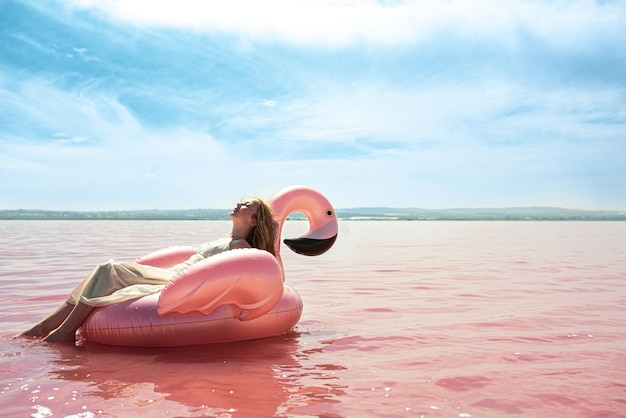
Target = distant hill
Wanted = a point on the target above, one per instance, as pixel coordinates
(355, 214)
(152, 214)
(477, 214)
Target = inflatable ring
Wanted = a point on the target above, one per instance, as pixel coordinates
(232, 296)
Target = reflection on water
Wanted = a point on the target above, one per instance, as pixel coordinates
(253, 378)
(236, 378)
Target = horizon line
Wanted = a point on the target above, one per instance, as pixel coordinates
(538, 207)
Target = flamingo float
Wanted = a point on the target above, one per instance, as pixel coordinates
(232, 296)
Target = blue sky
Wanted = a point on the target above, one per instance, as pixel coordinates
(127, 104)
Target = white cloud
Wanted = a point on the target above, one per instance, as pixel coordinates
(269, 103)
(342, 23)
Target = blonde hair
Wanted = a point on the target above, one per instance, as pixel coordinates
(263, 234)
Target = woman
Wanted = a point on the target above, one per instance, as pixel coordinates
(109, 283)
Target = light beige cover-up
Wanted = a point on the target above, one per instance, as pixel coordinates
(113, 282)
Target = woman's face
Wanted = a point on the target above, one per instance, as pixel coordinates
(245, 211)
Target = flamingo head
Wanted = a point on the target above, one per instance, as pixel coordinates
(320, 213)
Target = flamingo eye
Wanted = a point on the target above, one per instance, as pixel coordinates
(329, 213)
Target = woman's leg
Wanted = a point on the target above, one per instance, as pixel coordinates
(67, 330)
(56, 318)
(49, 323)
(96, 283)
(104, 280)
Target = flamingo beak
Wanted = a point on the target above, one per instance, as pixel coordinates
(310, 246)
(317, 241)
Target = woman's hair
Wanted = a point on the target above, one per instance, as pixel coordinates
(263, 235)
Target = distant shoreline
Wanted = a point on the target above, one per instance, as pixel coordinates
(350, 214)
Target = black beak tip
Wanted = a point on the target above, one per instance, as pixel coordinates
(310, 246)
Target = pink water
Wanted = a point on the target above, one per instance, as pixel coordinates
(434, 319)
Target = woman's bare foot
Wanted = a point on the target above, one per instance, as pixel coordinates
(38, 331)
(51, 322)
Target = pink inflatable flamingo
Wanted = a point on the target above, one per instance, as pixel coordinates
(232, 296)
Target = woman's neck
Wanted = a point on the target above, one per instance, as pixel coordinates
(240, 232)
